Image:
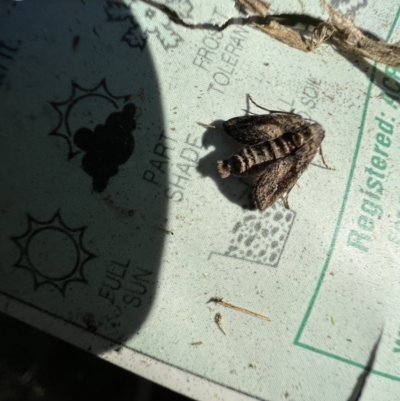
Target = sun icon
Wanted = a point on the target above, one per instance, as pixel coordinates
(53, 253)
(84, 108)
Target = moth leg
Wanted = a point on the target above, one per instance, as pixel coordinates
(285, 198)
(323, 160)
(285, 201)
(246, 191)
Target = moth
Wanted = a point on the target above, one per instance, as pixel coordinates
(279, 146)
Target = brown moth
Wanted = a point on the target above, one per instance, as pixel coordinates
(279, 147)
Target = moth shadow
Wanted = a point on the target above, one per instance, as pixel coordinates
(237, 190)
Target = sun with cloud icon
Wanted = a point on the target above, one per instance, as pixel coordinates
(83, 107)
(53, 253)
(99, 125)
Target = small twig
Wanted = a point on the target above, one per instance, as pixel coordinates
(338, 28)
(257, 6)
(206, 125)
(164, 230)
(238, 308)
(218, 320)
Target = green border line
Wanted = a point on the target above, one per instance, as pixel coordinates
(335, 235)
(348, 361)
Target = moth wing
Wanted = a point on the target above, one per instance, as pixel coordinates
(281, 175)
(260, 128)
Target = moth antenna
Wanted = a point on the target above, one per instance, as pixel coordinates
(257, 105)
(224, 168)
(285, 199)
(250, 112)
(269, 111)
